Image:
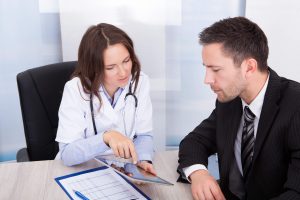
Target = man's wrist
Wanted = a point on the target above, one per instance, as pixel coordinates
(189, 170)
(197, 173)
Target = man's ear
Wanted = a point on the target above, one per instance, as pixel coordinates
(250, 66)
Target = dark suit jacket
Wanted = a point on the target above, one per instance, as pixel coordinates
(275, 171)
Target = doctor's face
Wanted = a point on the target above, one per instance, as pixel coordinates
(117, 67)
(223, 76)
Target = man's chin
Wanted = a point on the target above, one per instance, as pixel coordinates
(225, 99)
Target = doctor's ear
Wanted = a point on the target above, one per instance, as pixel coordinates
(250, 65)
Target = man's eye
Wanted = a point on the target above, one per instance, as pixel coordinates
(216, 70)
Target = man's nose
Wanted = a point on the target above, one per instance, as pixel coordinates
(209, 79)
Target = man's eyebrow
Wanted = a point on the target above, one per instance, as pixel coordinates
(211, 66)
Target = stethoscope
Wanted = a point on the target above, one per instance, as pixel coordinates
(128, 97)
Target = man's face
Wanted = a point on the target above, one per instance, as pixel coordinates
(224, 78)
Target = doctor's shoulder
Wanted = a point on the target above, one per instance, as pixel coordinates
(144, 82)
(75, 87)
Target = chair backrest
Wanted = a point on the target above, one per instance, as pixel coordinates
(40, 92)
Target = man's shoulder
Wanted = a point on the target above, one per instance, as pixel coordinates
(288, 90)
(289, 95)
(290, 87)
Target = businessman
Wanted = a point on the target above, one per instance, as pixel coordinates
(255, 126)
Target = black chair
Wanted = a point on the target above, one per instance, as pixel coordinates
(40, 92)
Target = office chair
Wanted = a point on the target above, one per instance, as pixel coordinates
(40, 92)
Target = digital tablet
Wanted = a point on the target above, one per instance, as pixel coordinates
(127, 169)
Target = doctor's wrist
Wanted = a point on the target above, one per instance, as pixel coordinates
(148, 161)
(106, 137)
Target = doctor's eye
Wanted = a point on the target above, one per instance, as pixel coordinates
(127, 60)
(109, 67)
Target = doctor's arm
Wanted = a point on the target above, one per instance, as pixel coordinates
(85, 149)
(82, 150)
(74, 147)
(143, 140)
(144, 147)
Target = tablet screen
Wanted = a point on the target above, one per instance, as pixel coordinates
(130, 170)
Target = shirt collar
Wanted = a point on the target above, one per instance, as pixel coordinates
(256, 105)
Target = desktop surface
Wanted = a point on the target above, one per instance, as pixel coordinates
(35, 180)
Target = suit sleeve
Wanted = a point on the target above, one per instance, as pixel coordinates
(198, 145)
(292, 184)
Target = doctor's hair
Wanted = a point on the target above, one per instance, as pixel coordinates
(241, 39)
(90, 67)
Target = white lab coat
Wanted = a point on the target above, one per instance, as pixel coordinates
(75, 121)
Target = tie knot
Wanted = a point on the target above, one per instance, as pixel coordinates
(248, 115)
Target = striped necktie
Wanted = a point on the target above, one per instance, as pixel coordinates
(247, 144)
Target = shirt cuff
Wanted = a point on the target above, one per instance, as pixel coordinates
(142, 157)
(189, 170)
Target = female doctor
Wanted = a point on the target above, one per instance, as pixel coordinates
(106, 106)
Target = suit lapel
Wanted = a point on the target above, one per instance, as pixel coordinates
(268, 113)
(231, 121)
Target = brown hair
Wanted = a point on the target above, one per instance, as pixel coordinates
(241, 39)
(90, 68)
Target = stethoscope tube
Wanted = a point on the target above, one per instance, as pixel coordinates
(129, 93)
(92, 113)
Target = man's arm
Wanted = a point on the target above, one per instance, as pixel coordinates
(292, 185)
(198, 145)
(194, 149)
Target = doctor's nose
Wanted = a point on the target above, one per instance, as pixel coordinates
(122, 71)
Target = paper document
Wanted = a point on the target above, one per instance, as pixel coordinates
(99, 183)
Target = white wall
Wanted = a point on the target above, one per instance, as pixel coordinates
(144, 21)
(28, 38)
(280, 21)
(165, 33)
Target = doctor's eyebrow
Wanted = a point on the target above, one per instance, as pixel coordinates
(124, 60)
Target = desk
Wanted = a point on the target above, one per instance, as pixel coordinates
(35, 180)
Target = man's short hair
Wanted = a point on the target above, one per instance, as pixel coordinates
(241, 39)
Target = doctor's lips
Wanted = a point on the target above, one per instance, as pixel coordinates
(124, 79)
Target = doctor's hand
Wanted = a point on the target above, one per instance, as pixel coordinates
(148, 167)
(204, 186)
(121, 145)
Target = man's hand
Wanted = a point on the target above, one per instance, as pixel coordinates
(205, 187)
(121, 145)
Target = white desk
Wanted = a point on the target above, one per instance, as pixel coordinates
(35, 180)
